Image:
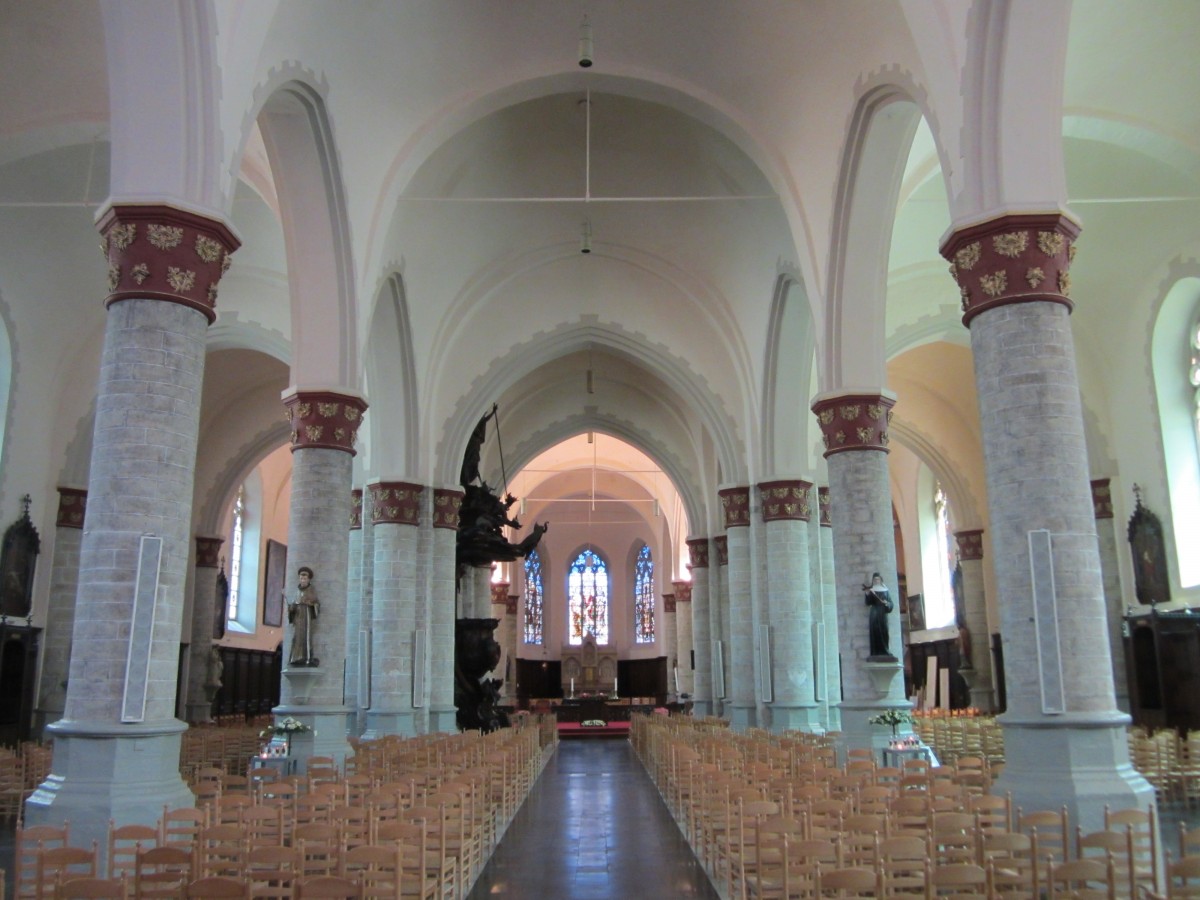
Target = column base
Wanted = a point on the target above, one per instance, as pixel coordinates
(329, 725)
(742, 717)
(44, 718)
(1077, 759)
(381, 722)
(444, 721)
(796, 717)
(104, 771)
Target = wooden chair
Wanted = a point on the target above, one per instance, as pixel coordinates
(417, 879)
(91, 889)
(1183, 879)
(162, 872)
(181, 827)
(960, 881)
(1051, 829)
(860, 836)
(901, 861)
(1143, 828)
(377, 869)
(216, 887)
(320, 848)
(857, 883)
(327, 887)
(220, 850)
(270, 871)
(1111, 846)
(124, 841)
(28, 842)
(804, 858)
(1012, 862)
(62, 864)
(1081, 879)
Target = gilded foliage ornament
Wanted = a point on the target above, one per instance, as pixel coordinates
(1051, 242)
(826, 416)
(327, 410)
(208, 249)
(212, 293)
(1035, 276)
(114, 276)
(965, 297)
(995, 284)
(851, 412)
(864, 434)
(314, 432)
(884, 439)
(226, 263)
(304, 410)
(121, 236)
(140, 272)
(164, 237)
(840, 437)
(875, 411)
(180, 279)
(351, 413)
(968, 256)
(1011, 244)
(339, 435)
(1071, 253)
(1064, 283)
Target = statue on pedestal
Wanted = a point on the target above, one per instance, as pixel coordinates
(879, 601)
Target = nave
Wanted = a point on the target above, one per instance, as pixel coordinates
(593, 827)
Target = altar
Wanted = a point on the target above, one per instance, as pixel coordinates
(588, 669)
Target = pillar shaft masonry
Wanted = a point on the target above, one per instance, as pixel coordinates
(702, 694)
(60, 613)
(446, 503)
(975, 644)
(1110, 572)
(201, 688)
(683, 637)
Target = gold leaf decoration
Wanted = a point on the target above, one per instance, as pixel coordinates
(304, 410)
(226, 263)
(965, 294)
(180, 279)
(295, 437)
(121, 236)
(864, 434)
(884, 439)
(840, 437)
(954, 271)
(140, 272)
(1011, 244)
(995, 284)
(825, 438)
(114, 277)
(351, 413)
(314, 432)
(851, 412)
(826, 416)
(1064, 283)
(327, 410)
(1035, 276)
(207, 249)
(1071, 254)
(339, 435)
(789, 509)
(164, 237)
(968, 256)
(212, 293)
(875, 411)
(1050, 242)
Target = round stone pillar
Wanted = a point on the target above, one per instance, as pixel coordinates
(821, 543)
(354, 584)
(735, 503)
(855, 430)
(1110, 573)
(446, 503)
(785, 513)
(684, 650)
(60, 612)
(670, 643)
(1064, 737)
(396, 510)
(481, 592)
(720, 627)
(201, 690)
(975, 645)
(702, 693)
(324, 426)
(116, 749)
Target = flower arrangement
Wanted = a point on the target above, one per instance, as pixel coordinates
(892, 717)
(593, 723)
(285, 727)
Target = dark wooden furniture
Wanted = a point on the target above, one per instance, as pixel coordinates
(1162, 662)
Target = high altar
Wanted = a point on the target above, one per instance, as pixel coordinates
(588, 669)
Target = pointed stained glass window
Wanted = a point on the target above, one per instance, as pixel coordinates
(587, 598)
(533, 598)
(643, 597)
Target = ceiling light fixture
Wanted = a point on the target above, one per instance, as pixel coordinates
(585, 44)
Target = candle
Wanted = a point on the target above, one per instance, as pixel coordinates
(572, 685)
(677, 679)
(614, 685)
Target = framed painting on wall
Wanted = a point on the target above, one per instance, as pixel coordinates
(273, 584)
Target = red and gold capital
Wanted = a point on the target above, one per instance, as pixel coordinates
(785, 500)
(395, 503)
(854, 422)
(324, 419)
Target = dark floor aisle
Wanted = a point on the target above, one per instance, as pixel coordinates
(593, 828)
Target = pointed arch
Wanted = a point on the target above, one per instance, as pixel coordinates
(787, 373)
(394, 420)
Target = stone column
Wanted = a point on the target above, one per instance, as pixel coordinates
(702, 694)
(670, 643)
(854, 427)
(976, 665)
(324, 426)
(1064, 736)
(116, 749)
(200, 693)
(825, 578)
(683, 638)
(741, 687)
(785, 513)
(396, 510)
(446, 502)
(511, 626)
(354, 584)
(498, 610)
(60, 613)
(366, 614)
(482, 592)
(1110, 574)
(719, 628)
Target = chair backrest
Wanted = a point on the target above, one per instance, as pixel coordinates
(327, 887)
(1081, 878)
(123, 844)
(91, 889)
(857, 882)
(217, 887)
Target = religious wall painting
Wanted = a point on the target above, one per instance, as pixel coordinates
(18, 562)
(273, 584)
(1151, 578)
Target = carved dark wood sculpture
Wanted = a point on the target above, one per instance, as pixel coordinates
(1151, 578)
(18, 561)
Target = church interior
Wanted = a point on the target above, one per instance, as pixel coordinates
(745, 303)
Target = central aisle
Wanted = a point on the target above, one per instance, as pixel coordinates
(593, 828)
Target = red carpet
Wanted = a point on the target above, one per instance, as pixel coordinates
(569, 731)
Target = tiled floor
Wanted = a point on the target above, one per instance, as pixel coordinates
(593, 828)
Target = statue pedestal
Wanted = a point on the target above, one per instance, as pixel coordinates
(882, 670)
(302, 682)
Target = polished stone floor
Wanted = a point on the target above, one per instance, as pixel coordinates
(593, 828)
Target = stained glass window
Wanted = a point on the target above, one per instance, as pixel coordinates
(533, 598)
(587, 593)
(235, 551)
(643, 597)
